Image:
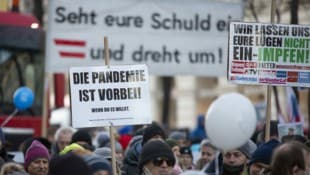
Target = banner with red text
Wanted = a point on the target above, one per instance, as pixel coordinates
(273, 54)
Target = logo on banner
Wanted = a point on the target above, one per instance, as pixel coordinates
(70, 48)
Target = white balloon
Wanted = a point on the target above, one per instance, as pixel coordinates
(230, 121)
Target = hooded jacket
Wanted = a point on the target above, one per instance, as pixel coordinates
(131, 159)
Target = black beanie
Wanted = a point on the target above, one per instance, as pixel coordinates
(154, 149)
(151, 131)
(186, 150)
(68, 164)
(82, 135)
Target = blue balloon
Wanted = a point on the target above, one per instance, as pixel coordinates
(23, 98)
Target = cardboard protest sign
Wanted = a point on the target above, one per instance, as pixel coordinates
(101, 96)
(272, 54)
(172, 37)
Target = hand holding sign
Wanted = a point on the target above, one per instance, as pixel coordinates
(23, 98)
(230, 121)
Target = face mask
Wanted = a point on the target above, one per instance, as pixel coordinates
(233, 170)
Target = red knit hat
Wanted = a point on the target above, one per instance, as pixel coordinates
(35, 151)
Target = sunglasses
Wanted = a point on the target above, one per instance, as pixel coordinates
(160, 160)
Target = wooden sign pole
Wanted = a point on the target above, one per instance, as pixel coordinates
(45, 106)
(268, 107)
(112, 137)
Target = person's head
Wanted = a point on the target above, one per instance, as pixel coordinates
(118, 150)
(179, 137)
(297, 138)
(103, 139)
(11, 167)
(156, 158)
(26, 144)
(186, 159)
(291, 131)
(306, 151)
(83, 138)
(174, 147)
(289, 159)
(153, 131)
(234, 161)
(69, 164)
(98, 165)
(261, 158)
(104, 152)
(207, 151)
(37, 159)
(63, 137)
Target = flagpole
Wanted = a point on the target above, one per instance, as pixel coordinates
(268, 107)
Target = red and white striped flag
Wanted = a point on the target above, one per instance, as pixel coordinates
(71, 48)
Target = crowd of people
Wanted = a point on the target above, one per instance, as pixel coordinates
(152, 150)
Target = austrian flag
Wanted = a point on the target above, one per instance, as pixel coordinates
(70, 48)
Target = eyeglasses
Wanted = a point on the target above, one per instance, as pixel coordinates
(158, 161)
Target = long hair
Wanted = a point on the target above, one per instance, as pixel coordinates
(286, 157)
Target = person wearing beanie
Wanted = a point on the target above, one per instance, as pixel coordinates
(186, 160)
(37, 159)
(248, 148)
(179, 137)
(151, 132)
(83, 138)
(234, 161)
(69, 164)
(156, 158)
(102, 139)
(261, 158)
(154, 131)
(98, 165)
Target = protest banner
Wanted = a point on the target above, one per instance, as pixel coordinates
(172, 37)
(109, 94)
(270, 54)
